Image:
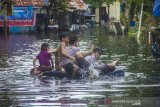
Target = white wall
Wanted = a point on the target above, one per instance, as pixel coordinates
(97, 15)
(114, 10)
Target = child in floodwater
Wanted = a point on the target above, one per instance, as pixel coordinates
(104, 67)
(73, 48)
(45, 60)
(66, 61)
(65, 58)
(93, 64)
(67, 66)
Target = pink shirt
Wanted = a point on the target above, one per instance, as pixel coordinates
(44, 58)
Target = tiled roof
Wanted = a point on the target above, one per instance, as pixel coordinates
(72, 4)
(77, 4)
(35, 3)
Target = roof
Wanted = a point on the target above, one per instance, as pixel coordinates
(7, 1)
(77, 5)
(72, 4)
(35, 3)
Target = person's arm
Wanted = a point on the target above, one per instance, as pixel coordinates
(52, 63)
(105, 67)
(64, 53)
(34, 63)
(51, 50)
(85, 53)
(98, 65)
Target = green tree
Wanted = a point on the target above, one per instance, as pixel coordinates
(132, 8)
(6, 10)
(59, 10)
(58, 5)
(1, 10)
(98, 3)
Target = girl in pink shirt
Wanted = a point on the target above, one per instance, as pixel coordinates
(45, 60)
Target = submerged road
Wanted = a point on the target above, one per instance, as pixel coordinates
(18, 88)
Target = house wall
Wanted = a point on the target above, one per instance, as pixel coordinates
(97, 15)
(114, 11)
(28, 29)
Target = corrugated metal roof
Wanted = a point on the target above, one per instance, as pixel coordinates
(35, 3)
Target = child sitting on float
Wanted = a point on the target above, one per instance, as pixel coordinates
(45, 60)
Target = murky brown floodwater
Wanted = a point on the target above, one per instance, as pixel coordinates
(139, 87)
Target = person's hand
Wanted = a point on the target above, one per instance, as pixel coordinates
(73, 59)
(52, 67)
(51, 50)
(92, 47)
(75, 67)
(35, 69)
(116, 62)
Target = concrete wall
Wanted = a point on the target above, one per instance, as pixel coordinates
(97, 15)
(114, 10)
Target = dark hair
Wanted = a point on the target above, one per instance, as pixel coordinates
(63, 35)
(72, 40)
(44, 46)
(97, 49)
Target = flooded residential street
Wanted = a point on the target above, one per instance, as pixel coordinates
(140, 86)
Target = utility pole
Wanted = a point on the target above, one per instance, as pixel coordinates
(140, 22)
(7, 7)
(5, 19)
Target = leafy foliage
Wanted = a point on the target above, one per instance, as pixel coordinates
(1, 10)
(58, 5)
(98, 3)
(62, 4)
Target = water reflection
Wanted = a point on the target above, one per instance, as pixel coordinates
(19, 88)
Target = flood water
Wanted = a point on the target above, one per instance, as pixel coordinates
(139, 87)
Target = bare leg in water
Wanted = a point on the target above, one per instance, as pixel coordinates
(112, 66)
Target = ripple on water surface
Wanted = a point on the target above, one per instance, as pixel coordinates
(19, 88)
